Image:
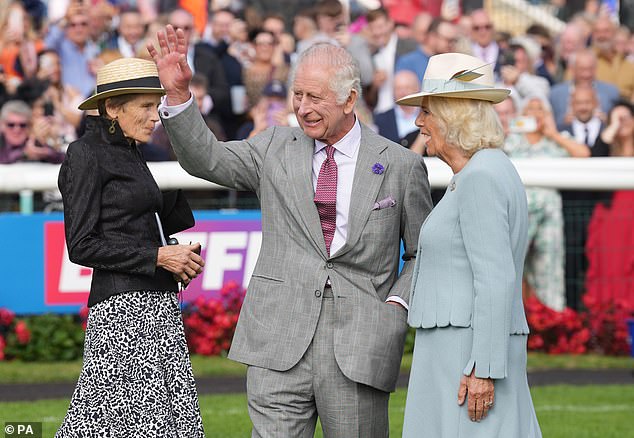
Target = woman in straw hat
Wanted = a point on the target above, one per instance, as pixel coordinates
(468, 376)
(136, 378)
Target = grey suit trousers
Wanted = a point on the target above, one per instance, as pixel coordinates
(286, 404)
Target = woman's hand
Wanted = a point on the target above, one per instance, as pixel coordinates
(32, 152)
(619, 114)
(184, 261)
(171, 62)
(480, 394)
(610, 132)
(550, 127)
(280, 117)
(510, 74)
(342, 35)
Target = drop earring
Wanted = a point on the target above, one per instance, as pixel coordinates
(112, 128)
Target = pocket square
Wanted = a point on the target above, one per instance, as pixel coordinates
(384, 203)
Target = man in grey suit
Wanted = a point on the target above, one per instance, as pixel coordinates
(324, 318)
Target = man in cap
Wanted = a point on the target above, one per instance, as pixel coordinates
(270, 110)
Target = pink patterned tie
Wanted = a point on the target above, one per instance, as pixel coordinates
(326, 196)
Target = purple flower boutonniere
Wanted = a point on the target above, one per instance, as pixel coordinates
(378, 168)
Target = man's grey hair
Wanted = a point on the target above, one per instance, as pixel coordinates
(15, 107)
(346, 75)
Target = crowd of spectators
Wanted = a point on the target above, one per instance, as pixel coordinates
(50, 51)
(571, 91)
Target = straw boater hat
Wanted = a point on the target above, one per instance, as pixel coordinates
(457, 75)
(124, 76)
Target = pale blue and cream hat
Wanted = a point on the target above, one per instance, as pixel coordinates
(457, 75)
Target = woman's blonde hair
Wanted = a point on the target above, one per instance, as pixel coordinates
(468, 124)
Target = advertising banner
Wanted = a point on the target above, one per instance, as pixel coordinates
(38, 276)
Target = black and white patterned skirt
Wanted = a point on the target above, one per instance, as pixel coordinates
(137, 378)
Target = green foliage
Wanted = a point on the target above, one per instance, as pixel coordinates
(409, 340)
(562, 411)
(46, 338)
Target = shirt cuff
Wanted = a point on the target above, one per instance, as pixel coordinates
(171, 111)
(397, 299)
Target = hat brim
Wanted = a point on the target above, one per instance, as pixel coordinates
(493, 95)
(92, 102)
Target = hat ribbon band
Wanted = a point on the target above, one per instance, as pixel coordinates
(444, 85)
(146, 82)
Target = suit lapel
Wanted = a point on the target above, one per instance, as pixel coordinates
(299, 155)
(365, 187)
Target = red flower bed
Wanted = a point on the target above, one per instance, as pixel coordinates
(600, 328)
(211, 322)
(209, 328)
(6, 327)
(607, 325)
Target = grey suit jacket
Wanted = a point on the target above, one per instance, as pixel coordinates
(283, 300)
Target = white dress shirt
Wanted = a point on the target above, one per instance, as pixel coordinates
(489, 54)
(405, 122)
(346, 153)
(126, 49)
(384, 60)
(579, 130)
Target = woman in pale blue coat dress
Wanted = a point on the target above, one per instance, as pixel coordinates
(468, 376)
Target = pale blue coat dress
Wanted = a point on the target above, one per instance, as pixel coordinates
(467, 305)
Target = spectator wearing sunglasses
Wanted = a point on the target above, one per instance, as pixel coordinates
(483, 44)
(18, 140)
(70, 38)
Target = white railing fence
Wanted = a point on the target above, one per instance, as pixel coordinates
(560, 173)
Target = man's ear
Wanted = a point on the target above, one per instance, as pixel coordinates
(348, 106)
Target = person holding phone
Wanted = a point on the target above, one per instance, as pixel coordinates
(22, 140)
(136, 378)
(535, 135)
(517, 69)
(62, 99)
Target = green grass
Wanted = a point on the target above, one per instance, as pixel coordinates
(563, 412)
(543, 361)
(39, 372)
(48, 372)
(585, 411)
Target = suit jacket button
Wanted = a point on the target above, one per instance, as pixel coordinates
(329, 265)
(317, 293)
